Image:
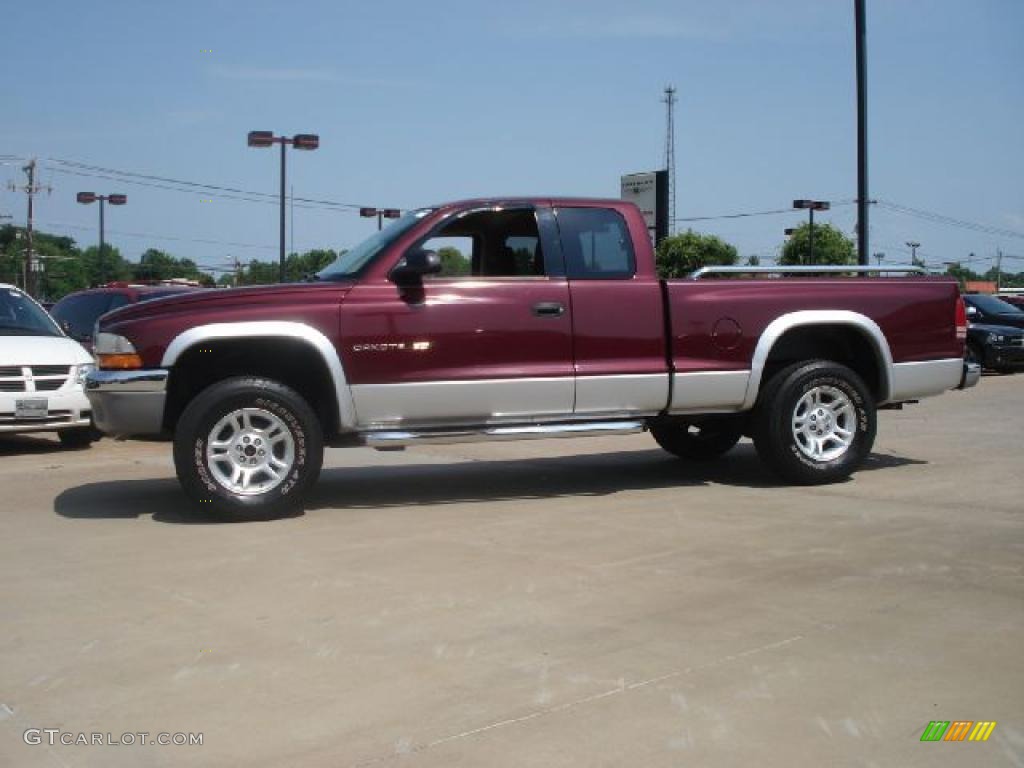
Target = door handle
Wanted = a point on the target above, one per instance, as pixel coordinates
(549, 309)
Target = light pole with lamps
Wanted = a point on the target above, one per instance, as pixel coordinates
(811, 206)
(86, 198)
(381, 214)
(308, 141)
(913, 246)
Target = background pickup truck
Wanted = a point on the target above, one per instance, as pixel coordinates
(549, 321)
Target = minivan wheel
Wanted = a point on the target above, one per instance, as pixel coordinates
(814, 422)
(248, 448)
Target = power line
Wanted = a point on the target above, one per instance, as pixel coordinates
(938, 218)
(150, 235)
(746, 214)
(200, 185)
(152, 185)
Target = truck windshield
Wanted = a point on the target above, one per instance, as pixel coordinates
(20, 316)
(353, 260)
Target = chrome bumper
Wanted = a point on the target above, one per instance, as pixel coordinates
(972, 373)
(127, 402)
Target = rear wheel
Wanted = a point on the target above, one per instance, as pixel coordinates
(248, 448)
(701, 440)
(814, 422)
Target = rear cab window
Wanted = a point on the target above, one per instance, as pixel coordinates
(596, 244)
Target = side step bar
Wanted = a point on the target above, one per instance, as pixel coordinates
(393, 440)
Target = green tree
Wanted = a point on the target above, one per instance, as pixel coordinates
(831, 246)
(754, 260)
(155, 264)
(679, 255)
(453, 263)
(961, 273)
(112, 267)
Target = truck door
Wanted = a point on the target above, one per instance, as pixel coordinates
(489, 340)
(618, 313)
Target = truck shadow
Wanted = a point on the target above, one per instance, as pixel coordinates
(381, 487)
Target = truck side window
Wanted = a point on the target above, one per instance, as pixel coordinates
(596, 244)
(490, 243)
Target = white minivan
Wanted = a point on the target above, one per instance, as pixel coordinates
(41, 373)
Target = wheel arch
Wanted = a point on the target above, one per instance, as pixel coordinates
(812, 325)
(304, 339)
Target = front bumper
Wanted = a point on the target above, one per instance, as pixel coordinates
(971, 376)
(67, 408)
(1004, 355)
(128, 403)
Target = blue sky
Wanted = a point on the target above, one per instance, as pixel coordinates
(417, 103)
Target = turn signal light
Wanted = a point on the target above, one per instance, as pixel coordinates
(119, 362)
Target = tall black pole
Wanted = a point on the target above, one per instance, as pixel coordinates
(281, 270)
(810, 238)
(103, 264)
(862, 134)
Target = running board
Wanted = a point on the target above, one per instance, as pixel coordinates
(393, 440)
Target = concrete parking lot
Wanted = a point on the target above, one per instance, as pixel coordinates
(560, 603)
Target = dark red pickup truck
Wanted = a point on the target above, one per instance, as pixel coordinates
(520, 318)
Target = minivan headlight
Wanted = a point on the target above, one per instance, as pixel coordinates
(84, 369)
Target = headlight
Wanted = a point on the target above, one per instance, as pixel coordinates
(83, 370)
(115, 352)
(996, 338)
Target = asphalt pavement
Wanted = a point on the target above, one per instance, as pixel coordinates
(585, 602)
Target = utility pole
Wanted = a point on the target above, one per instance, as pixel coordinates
(862, 133)
(670, 153)
(30, 189)
(999, 268)
(913, 246)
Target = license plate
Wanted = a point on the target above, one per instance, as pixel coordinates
(33, 408)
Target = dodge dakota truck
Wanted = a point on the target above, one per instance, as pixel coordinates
(521, 318)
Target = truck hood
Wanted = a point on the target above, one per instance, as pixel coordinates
(42, 350)
(228, 298)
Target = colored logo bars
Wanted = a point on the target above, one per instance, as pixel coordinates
(944, 730)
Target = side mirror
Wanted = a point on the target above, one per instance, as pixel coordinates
(415, 265)
(972, 311)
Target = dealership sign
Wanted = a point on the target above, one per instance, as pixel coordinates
(649, 191)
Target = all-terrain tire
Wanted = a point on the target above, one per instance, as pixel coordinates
(822, 449)
(248, 448)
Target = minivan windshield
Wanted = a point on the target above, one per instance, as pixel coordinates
(350, 263)
(20, 316)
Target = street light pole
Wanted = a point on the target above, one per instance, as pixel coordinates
(811, 206)
(913, 246)
(308, 141)
(282, 254)
(381, 214)
(87, 198)
(103, 264)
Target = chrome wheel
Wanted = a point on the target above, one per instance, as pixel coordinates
(250, 451)
(824, 423)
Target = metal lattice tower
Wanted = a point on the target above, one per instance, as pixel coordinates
(670, 152)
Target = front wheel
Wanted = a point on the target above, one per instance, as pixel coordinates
(80, 437)
(248, 448)
(814, 423)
